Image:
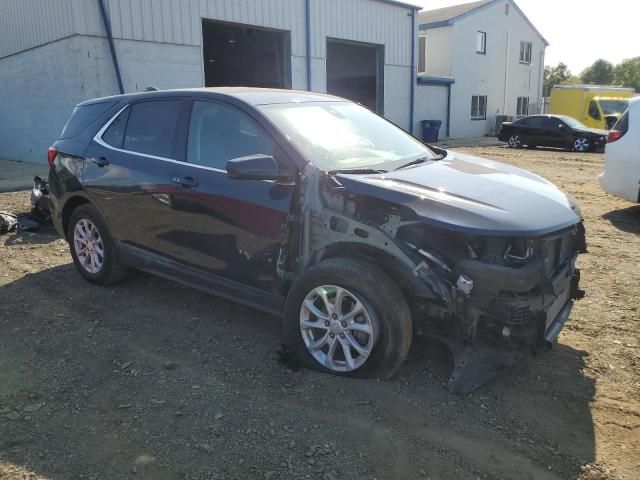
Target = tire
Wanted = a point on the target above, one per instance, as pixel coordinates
(385, 314)
(581, 144)
(515, 141)
(100, 264)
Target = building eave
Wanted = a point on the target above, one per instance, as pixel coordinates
(428, 80)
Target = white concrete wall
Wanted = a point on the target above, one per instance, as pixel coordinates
(42, 85)
(498, 74)
(431, 104)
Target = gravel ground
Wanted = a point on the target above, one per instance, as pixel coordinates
(148, 379)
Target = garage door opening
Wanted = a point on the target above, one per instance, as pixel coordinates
(244, 55)
(355, 71)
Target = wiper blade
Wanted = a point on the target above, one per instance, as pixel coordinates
(357, 171)
(420, 160)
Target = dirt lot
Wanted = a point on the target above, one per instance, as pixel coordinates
(148, 379)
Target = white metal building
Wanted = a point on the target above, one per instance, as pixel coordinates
(56, 53)
(477, 61)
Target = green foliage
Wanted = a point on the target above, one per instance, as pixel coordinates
(600, 73)
(555, 76)
(627, 73)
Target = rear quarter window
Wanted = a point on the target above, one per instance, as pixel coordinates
(622, 125)
(82, 117)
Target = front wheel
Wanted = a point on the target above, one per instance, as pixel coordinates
(515, 141)
(345, 316)
(581, 144)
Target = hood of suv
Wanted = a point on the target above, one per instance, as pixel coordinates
(473, 195)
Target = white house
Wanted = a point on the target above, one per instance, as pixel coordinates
(57, 53)
(477, 61)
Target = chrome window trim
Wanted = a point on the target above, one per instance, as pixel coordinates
(98, 139)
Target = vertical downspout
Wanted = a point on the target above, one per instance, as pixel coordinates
(448, 110)
(308, 19)
(414, 73)
(114, 58)
(506, 73)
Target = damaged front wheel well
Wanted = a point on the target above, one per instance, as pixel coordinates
(401, 275)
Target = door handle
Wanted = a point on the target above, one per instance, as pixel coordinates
(101, 161)
(185, 181)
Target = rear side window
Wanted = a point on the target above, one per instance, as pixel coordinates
(114, 135)
(622, 125)
(219, 133)
(82, 117)
(151, 127)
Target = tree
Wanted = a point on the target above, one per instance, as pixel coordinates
(554, 76)
(600, 73)
(627, 73)
(572, 80)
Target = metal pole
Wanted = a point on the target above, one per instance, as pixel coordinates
(114, 58)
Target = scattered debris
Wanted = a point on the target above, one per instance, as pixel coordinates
(8, 222)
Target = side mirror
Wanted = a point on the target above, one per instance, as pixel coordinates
(560, 125)
(256, 167)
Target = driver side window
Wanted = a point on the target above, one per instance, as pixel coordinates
(593, 110)
(219, 133)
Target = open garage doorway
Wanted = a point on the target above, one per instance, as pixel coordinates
(355, 71)
(245, 55)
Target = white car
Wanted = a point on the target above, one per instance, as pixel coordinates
(621, 176)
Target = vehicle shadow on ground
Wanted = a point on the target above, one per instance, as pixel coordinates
(154, 379)
(625, 219)
(44, 235)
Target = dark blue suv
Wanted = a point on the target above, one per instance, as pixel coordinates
(314, 208)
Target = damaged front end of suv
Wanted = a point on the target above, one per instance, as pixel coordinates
(487, 283)
(483, 252)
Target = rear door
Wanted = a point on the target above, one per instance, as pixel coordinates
(232, 228)
(129, 171)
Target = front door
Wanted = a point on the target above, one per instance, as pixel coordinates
(232, 228)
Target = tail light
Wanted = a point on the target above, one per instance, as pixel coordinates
(615, 135)
(51, 156)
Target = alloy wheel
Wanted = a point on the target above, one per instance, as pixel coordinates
(88, 246)
(338, 328)
(581, 144)
(514, 141)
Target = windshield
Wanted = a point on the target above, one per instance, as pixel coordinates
(572, 122)
(610, 107)
(345, 136)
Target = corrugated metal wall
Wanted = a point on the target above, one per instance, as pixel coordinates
(28, 23)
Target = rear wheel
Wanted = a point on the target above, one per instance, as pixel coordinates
(581, 144)
(92, 247)
(347, 317)
(515, 141)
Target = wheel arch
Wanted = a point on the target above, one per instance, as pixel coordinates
(377, 257)
(69, 206)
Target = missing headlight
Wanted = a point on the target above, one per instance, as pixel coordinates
(518, 251)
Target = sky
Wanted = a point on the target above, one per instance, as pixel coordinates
(579, 31)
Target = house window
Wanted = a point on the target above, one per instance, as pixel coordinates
(478, 107)
(481, 42)
(523, 107)
(422, 54)
(525, 52)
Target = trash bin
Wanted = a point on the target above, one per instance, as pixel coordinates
(430, 130)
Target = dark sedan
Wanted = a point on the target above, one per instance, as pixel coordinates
(552, 131)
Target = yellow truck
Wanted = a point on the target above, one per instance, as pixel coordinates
(597, 106)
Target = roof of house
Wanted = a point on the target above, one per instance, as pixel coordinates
(448, 13)
(443, 17)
